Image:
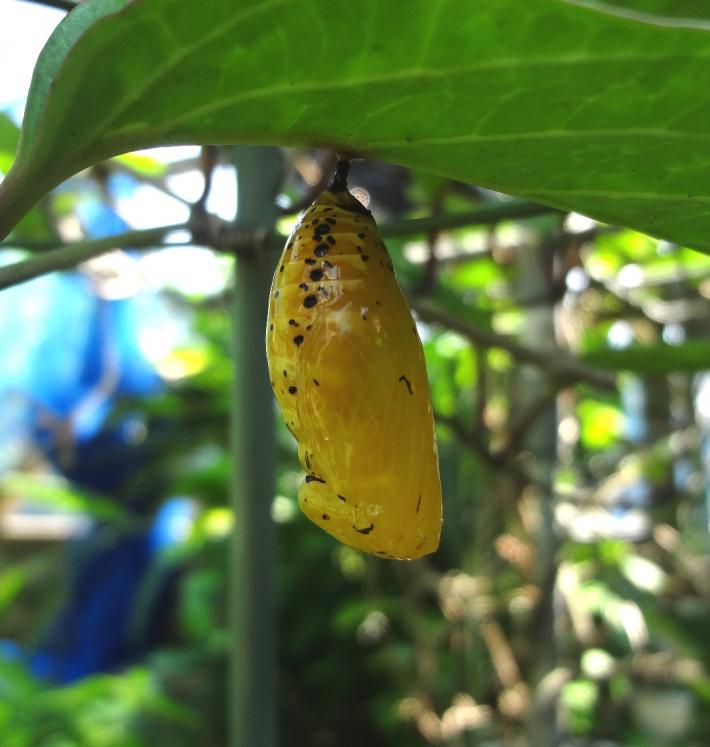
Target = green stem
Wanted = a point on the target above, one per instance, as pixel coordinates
(556, 363)
(73, 254)
(482, 216)
(252, 699)
(18, 194)
(537, 278)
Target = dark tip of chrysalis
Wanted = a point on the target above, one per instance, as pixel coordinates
(339, 187)
(339, 182)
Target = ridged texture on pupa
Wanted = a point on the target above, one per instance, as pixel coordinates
(347, 368)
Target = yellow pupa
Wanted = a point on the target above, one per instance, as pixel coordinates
(347, 368)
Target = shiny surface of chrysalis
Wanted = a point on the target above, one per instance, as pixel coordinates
(347, 368)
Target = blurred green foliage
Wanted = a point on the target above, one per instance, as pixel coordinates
(455, 649)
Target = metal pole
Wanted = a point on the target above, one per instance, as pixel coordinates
(252, 679)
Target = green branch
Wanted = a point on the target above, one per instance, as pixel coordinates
(559, 365)
(222, 235)
(485, 215)
(70, 255)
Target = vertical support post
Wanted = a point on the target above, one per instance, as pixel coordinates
(252, 679)
(537, 280)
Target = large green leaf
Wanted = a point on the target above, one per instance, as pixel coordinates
(555, 101)
(53, 55)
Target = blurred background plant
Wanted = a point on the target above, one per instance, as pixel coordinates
(569, 601)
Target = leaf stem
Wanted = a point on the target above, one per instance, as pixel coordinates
(484, 216)
(70, 255)
(73, 254)
(22, 188)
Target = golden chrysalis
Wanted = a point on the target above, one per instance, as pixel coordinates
(348, 372)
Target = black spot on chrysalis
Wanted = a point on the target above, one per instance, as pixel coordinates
(407, 382)
(320, 231)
